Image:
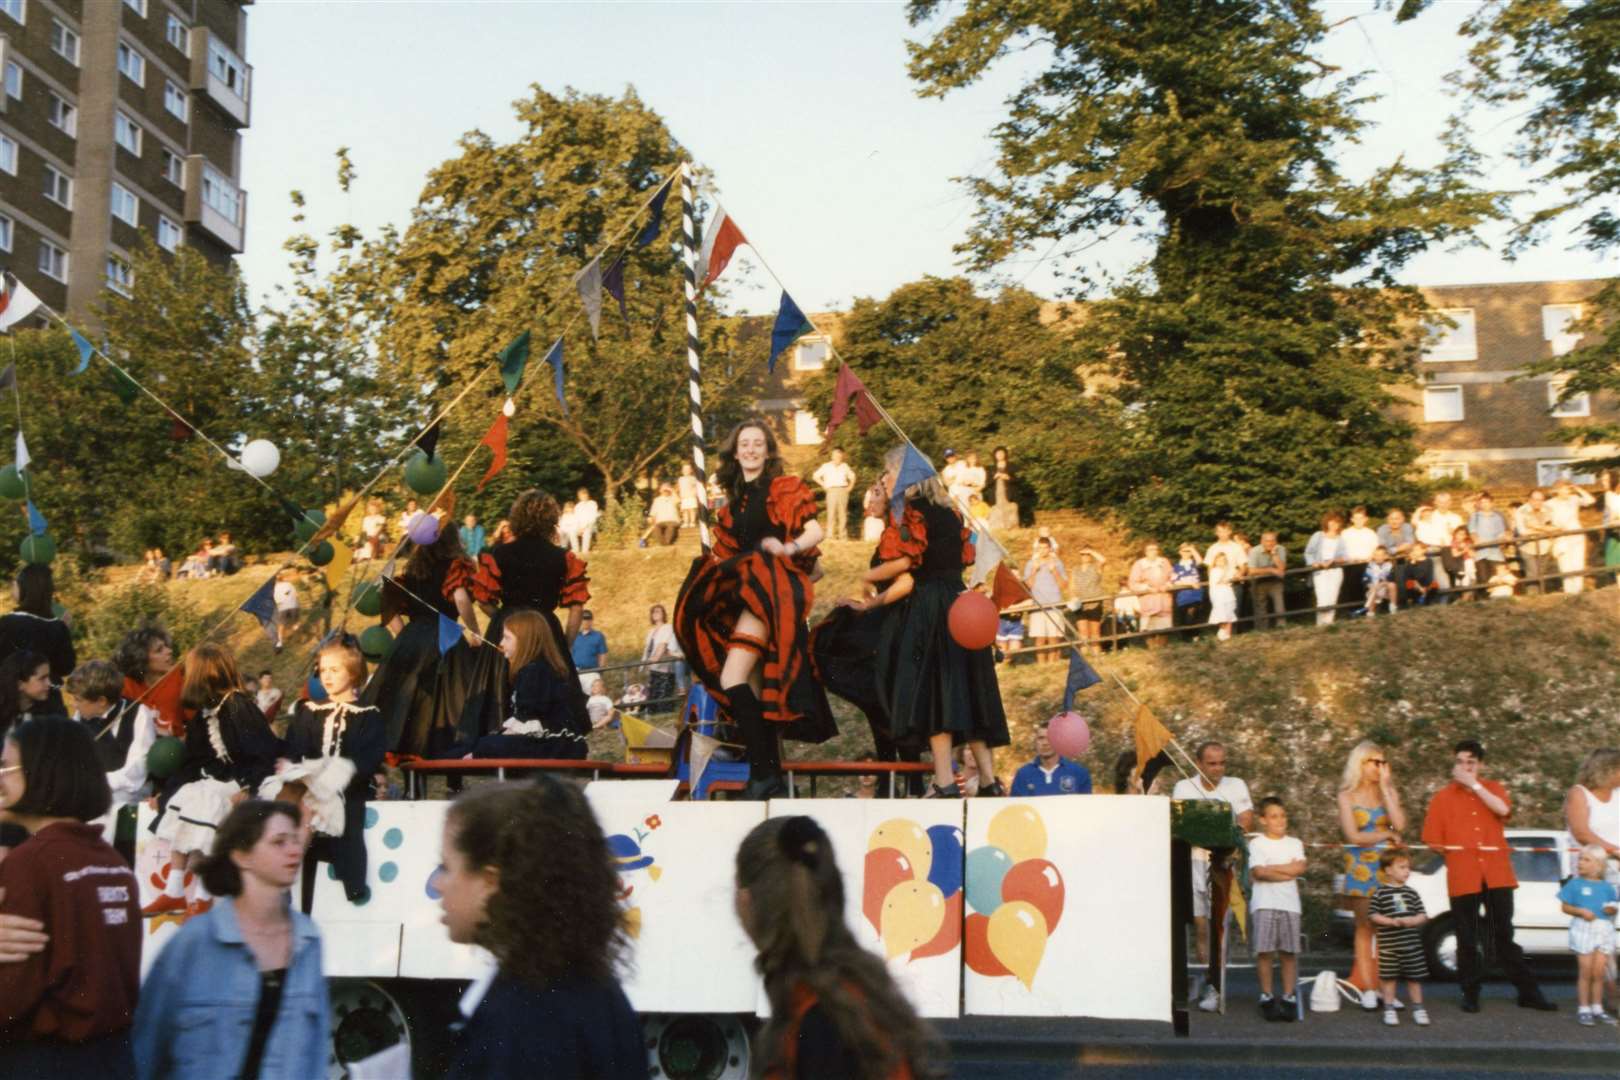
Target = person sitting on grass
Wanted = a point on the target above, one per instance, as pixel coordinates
(1591, 902)
(1397, 911)
(1276, 861)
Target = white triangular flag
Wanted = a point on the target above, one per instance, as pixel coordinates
(22, 453)
(16, 302)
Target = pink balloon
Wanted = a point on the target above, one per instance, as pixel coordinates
(1070, 734)
(886, 867)
(1038, 883)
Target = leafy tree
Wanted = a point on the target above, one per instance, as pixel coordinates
(1256, 350)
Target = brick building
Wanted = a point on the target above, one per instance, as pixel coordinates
(118, 116)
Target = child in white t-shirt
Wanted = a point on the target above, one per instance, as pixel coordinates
(1276, 861)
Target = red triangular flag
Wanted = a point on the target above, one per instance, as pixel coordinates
(179, 430)
(720, 241)
(851, 389)
(495, 439)
(1006, 590)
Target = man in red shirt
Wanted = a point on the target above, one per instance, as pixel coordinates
(1464, 820)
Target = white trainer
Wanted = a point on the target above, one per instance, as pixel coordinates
(1391, 1019)
(1210, 1000)
(1420, 1016)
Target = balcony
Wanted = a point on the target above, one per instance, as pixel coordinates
(214, 203)
(220, 77)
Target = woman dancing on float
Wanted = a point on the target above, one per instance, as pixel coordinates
(740, 617)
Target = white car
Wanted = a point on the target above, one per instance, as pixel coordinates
(1540, 927)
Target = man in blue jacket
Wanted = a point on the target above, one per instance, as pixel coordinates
(1049, 773)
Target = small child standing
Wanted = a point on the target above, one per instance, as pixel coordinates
(1276, 861)
(1591, 902)
(1397, 910)
(1380, 588)
(691, 492)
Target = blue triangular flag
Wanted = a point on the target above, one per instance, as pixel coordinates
(262, 604)
(555, 358)
(449, 633)
(36, 520)
(914, 469)
(85, 349)
(790, 326)
(1080, 677)
(649, 231)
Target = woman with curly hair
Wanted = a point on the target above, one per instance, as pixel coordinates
(835, 1011)
(525, 873)
(34, 626)
(146, 658)
(740, 616)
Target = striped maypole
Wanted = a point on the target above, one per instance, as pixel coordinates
(694, 373)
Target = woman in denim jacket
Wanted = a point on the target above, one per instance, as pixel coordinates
(239, 992)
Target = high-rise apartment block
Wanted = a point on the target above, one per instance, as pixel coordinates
(118, 116)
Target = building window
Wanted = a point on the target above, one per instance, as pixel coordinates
(1555, 320)
(13, 79)
(219, 193)
(811, 355)
(1451, 342)
(1576, 470)
(127, 133)
(175, 100)
(1575, 405)
(174, 168)
(58, 188)
(120, 276)
(53, 261)
(64, 117)
(7, 229)
(1442, 404)
(125, 206)
(169, 236)
(65, 43)
(806, 432)
(17, 9)
(224, 66)
(137, 6)
(1448, 470)
(132, 64)
(8, 155)
(177, 35)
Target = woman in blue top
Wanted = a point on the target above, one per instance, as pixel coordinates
(1370, 817)
(238, 992)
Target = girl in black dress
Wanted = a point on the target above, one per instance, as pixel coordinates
(541, 722)
(34, 626)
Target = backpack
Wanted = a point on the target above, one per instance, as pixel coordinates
(1326, 989)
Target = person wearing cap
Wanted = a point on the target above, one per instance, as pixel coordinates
(589, 650)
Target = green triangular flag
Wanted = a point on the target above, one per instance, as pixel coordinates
(513, 360)
(124, 387)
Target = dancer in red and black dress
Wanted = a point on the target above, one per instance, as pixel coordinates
(740, 617)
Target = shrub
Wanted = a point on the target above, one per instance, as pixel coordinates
(118, 612)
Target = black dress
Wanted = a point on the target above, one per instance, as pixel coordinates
(542, 701)
(250, 749)
(51, 638)
(356, 732)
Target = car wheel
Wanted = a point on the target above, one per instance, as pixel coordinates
(1440, 948)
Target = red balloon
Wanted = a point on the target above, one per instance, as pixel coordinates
(976, 947)
(973, 620)
(1037, 882)
(1070, 734)
(950, 931)
(886, 867)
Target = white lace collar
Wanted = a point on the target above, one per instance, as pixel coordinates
(336, 722)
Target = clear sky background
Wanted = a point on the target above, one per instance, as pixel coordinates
(820, 147)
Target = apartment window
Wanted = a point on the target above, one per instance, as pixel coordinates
(132, 64)
(53, 261)
(8, 155)
(1442, 404)
(225, 67)
(65, 43)
(58, 188)
(806, 432)
(7, 230)
(1448, 470)
(1576, 405)
(64, 116)
(14, 79)
(1555, 320)
(1576, 470)
(125, 206)
(174, 168)
(220, 193)
(169, 236)
(177, 35)
(17, 9)
(1455, 342)
(175, 100)
(137, 6)
(811, 355)
(120, 276)
(127, 133)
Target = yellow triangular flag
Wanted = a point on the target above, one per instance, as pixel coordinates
(1151, 737)
(1240, 906)
(342, 556)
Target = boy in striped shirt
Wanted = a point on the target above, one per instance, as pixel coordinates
(1397, 911)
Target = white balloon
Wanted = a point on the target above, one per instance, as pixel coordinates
(260, 457)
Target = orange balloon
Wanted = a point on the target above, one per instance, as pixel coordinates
(885, 868)
(976, 947)
(972, 621)
(1037, 882)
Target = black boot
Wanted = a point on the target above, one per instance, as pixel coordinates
(760, 743)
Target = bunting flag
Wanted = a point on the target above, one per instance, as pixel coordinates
(124, 386)
(36, 520)
(82, 343)
(720, 241)
(23, 457)
(850, 390)
(987, 555)
(449, 633)
(8, 377)
(495, 439)
(428, 441)
(554, 357)
(1081, 676)
(914, 469)
(333, 523)
(1006, 590)
(444, 504)
(589, 283)
(1151, 738)
(262, 604)
(790, 326)
(16, 302)
(342, 556)
(514, 358)
(613, 282)
(179, 430)
(655, 220)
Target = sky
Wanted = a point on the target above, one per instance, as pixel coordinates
(820, 147)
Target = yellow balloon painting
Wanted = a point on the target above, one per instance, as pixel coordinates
(912, 914)
(1019, 831)
(911, 840)
(1017, 936)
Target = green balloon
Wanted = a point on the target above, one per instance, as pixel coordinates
(376, 643)
(368, 600)
(322, 553)
(11, 483)
(165, 756)
(425, 475)
(307, 526)
(38, 549)
(57, 609)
